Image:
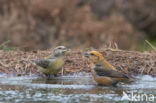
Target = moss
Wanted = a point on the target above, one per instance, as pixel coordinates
(147, 45)
(4, 46)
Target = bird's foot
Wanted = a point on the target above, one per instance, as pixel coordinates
(114, 85)
(55, 75)
(48, 76)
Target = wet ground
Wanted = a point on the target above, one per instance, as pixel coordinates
(78, 88)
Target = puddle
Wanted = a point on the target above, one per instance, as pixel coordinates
(73, 89)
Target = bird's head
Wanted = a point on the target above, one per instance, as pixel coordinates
(94, 56)
(59, 51)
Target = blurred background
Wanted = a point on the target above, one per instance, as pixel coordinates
(44, 24)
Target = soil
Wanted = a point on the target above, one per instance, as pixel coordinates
(19, 63)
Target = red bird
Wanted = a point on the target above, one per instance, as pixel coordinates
(102, 71)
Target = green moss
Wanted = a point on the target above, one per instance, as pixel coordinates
(4, 46)
(147, 45)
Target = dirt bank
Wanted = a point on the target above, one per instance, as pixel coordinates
(130, 62)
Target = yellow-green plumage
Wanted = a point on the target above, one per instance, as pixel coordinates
(53, 67)
(53, 64)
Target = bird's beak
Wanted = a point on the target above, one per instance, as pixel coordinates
(64, 50)
(87, 54)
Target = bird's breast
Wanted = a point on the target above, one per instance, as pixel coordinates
(54, 67)
(102, 80)
(58, 63)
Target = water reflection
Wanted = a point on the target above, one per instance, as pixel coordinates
(69, 89)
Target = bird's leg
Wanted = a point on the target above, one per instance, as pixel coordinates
(48, 76)
(115, 85)
(62, 71)
(55, 75)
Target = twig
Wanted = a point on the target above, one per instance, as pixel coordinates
(3, 44)
(152, 46)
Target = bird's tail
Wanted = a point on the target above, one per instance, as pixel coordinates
(129, 78)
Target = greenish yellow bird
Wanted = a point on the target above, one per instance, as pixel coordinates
(52, 64)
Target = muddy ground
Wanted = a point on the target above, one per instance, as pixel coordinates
(130, 62)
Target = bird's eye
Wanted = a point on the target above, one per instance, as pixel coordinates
(92, 54)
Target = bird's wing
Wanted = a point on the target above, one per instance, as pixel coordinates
(109, 73)
(109, 66)
(44, 63)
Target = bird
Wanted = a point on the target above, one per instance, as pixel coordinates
(102, 71)
(53, 63)
(97, 58)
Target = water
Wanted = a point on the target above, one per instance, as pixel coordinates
(78, 88)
